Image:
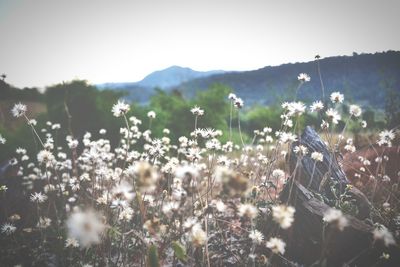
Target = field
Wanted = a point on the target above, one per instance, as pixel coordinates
(317, 187)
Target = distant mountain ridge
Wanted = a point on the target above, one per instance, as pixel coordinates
(166, 78)
(359, 77)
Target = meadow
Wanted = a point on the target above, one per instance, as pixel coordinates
(89, 179)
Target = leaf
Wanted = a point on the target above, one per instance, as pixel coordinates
(180, 251)
(153, 256)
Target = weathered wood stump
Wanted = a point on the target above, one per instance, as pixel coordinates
(314, 187)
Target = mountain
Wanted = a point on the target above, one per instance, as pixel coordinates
(360, 77)
(141, 91)
(174, 76)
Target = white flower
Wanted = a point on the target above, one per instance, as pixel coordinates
(197, 111)
(278, 174)
(232, 96)
(355, 111)
(333, 115)
(238, 103)
(363, 124)
(256, 236)
(71, 242)
(276, 245)
(337, 97)
(294, 108)
(300, 150)
(336, 217)
(45, 156)
(44, 222)
(316, 106)
(38, 197)
(8, 228)
(197, 236)
(382, 233)
(386, 137)
(2, 140)
(126, 214)
(123, 190)
(247, 210)
(102, 131)
(317, 156)
(86, 227)
(151, 114)
(18, 110)
(283, 215)
(303, 77)
(120, 108)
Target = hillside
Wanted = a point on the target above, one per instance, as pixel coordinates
(359, 77)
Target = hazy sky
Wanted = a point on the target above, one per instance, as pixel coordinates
(46, 42)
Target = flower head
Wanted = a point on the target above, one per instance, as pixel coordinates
(303, 77)
(336, 217)
(316, 106)
(86, 227)
(333, 115)
(355, 111)
(18, 110)
(256, 236)
(283, 215)
(120, 108)
(8, 228)
(337, 97)
(276, 245)
(151, 114)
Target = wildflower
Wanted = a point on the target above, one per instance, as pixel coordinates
(123, 190)
(382, 233)
(145, 176)
(126, 214)
(337, 97)
(2, 140)
(234, 183)
(276, 245)
(8, 228)
(238, 103)
(355, 111)
(102, 131)
(385, 256)
(151, 114)
(295, 108)
(317, 156)
(71, 242)
(333, 115)
(324, 125)
(303, 77)
(18, 110)
(44, 222)
(45, 156)
(186, 172)
(256, 236)
(197, 111)
(219, 205)
(363, 124)
(287, 137)
(247, 210)
(300, 150)
(120, 108)
(283, 215)
(316, 106)
(336, 217)
(86, 227)
(386, 137)
(38, 197)
(232, 96)
(197, 236)
(278, 174)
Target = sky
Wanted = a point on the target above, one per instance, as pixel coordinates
(44, 42)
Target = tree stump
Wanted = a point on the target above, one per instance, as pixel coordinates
(313, 189)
